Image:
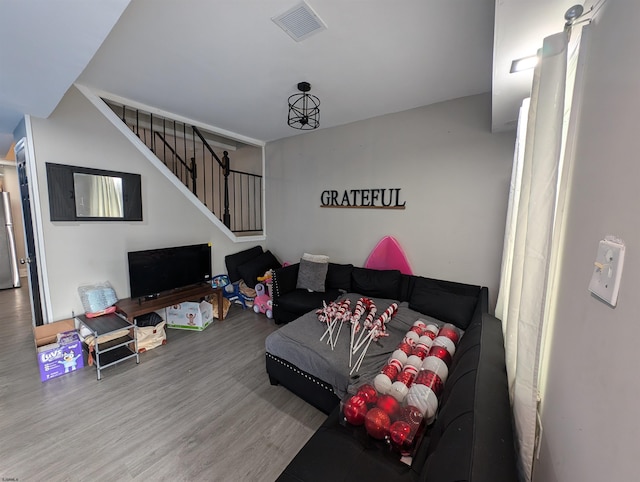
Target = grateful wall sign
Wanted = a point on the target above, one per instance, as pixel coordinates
(383, 198)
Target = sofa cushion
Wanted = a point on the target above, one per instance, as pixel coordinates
(258, 266)
(233, 261)
(376, 283)
(406, 287)
(312, 272)
(302, 301)
(431, 299)
(339, 276)
(347, 455)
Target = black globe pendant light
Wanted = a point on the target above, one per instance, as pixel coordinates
(304, 109)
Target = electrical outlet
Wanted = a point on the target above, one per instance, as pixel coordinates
(607, 272)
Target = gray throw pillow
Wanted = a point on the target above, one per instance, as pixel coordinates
(312, 275)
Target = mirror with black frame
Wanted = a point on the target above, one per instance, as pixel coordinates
(87, 194)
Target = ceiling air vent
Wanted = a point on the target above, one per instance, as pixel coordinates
(300, 22)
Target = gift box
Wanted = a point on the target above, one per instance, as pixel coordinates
(189, 315)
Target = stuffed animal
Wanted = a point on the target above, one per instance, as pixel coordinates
(262, 302)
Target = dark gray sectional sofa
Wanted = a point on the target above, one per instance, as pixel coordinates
(472, 437)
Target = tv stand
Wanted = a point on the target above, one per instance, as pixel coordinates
(131, 308)
(142, 299)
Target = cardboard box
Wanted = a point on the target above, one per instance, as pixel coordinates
(189, 315)
(58, 348)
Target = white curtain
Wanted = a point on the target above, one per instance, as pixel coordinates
(522, 295)
(106, 197)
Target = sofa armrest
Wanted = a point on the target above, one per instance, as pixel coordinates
(472, 438)
(284, 280)
(483, 303)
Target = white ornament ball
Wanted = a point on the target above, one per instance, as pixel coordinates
(414, 361)
(382, 383)
(400, 356)
(424, 399)
(411, 337)
(445, 342)
(437, 366)
(426, 340)
(433, 329)
(420, 323)
(398, 391)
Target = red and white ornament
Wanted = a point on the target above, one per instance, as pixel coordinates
(399, 355)
(440, 352)
(431, 331)
(400, 387)
(382, 382)
(368, 393)
(389, 404)
(377, 423)
(415, 361)
(421, 350)
(437, 366)
(445, 342)
(450, 331)
(355, 410)
(405, 347)
(411, 338)
(400, 432)
(420, 323)
(431, 380)
(425, 400)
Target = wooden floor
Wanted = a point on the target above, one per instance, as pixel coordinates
(198, 408)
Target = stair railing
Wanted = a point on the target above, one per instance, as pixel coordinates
(233, 196)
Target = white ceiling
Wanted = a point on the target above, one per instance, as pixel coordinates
(44, 46)
(226, 64)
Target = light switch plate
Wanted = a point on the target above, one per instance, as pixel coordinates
(607, 271)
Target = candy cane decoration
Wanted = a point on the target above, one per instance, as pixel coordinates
(378, 331)
(384, 318)
(332, 314)
(355, 324)
(325, 315)
(344, 314)
(367, 325)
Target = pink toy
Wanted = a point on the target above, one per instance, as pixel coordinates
(262, 302)
(267, 280)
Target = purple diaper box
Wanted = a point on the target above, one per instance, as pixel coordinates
(59, 349)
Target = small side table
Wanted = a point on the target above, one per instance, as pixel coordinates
(116, 350)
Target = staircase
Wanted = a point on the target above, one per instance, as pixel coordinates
(199, 159)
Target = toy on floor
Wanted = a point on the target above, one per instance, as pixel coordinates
(231, 291)
(262, 302)
(267, 281)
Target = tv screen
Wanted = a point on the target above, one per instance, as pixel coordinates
(154, 271)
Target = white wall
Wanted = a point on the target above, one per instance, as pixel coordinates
(453, 174)
(79, 253)
(590, 402)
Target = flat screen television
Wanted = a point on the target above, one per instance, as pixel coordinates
(155, 271)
